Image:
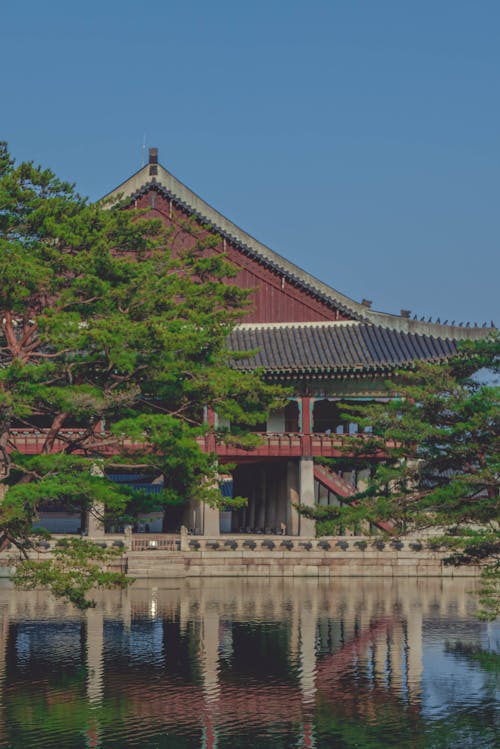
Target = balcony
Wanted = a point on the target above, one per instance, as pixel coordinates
(278, 445)
(273, 444)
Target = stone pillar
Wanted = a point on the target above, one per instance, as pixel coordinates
(281, 508)
(211, 520)
(184, 545)
(251, 509)
(194, 516)
(293, 497)
(272, 498)
(261, 513)
(307, 527)
(94, 526)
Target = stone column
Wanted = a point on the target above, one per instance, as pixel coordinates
(307, 527)
(272, 498)
(292, 497)
(261, 513)
(94, 526)
(194, 515)
(184, 546)
(251, 509)
(210, 515)
(211, 520)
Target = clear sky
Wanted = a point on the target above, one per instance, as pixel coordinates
(359, 138)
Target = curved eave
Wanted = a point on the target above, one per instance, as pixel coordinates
(335, 372)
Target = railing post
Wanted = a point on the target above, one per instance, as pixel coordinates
(184, 545)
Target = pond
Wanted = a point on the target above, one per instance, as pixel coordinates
(237, 663)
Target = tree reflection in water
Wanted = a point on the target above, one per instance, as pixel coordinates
(243, 663)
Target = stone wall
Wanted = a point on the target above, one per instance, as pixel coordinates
(313, 563)
(163, 556)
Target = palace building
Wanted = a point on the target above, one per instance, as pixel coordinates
(328, 347)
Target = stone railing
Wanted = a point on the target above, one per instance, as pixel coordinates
(273, 543)
(162, 542)
(155, 542)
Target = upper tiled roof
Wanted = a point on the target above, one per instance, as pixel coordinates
(153, 176)
(333, 347)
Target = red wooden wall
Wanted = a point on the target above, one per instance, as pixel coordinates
(275, 299)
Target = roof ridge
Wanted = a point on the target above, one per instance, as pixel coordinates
(294, 324)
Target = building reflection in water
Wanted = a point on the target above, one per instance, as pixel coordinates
(208, 660)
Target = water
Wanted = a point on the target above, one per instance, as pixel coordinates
(235, 664)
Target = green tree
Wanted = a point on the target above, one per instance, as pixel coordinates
(441, 440)
(115, 345)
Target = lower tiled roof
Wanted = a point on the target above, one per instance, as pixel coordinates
(333, 347)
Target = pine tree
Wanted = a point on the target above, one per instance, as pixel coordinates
(440, 476)
(116, 345)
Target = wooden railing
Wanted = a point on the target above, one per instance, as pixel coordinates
(272, 444)
(280, 444)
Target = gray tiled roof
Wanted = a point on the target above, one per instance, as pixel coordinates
(333, 347)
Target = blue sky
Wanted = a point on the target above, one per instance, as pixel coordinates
(359, 138)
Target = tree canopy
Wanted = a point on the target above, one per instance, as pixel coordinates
(111, 346)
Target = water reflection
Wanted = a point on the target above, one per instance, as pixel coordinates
(232, 663)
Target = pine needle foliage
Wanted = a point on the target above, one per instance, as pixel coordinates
(111, 346)
(434, 449)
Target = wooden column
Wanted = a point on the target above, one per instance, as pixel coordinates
(306, 424)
